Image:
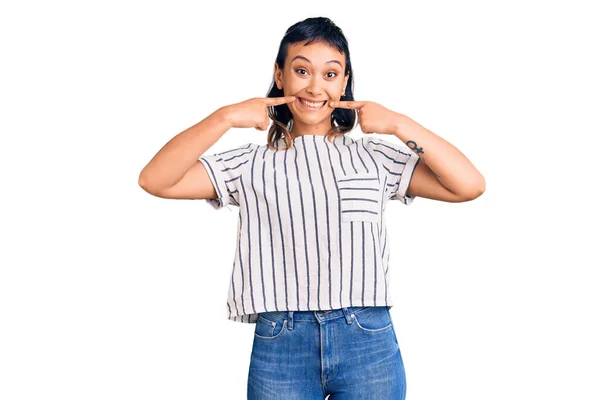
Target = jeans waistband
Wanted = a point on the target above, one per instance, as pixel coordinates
(314, 316)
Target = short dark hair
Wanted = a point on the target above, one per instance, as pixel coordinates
(315, 29)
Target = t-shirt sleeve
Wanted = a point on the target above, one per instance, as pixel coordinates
(225, 170)
(398, 163)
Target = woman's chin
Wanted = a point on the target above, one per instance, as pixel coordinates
(310, 118)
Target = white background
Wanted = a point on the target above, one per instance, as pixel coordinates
(107, 292)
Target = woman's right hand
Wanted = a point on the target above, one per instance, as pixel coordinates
(253, 113)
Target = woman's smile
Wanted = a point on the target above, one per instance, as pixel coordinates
(310, 105)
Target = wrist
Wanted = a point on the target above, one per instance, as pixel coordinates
(223, 114)
(399, 122)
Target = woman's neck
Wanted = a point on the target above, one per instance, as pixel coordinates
(313, 130)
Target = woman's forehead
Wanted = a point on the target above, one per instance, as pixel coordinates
(316, 53)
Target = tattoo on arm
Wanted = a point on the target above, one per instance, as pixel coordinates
(414, 147)
(419, 150)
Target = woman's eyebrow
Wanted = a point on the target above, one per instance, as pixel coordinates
(308, 61)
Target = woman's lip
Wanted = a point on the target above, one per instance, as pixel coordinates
(309, 108)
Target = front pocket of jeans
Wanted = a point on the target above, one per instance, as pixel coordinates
(360, 197)
(267, 329)
(373, 319)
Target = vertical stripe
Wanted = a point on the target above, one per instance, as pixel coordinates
(249, 241)
(352, 279)
(327, 221)
(259, 233)
(281, 238)
(339, 248)
(271, 247)
(374, 264)
(240, 268)
(363, 250)
(349, 152)
(291, 226)
(302, 214)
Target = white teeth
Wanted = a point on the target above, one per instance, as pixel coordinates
(311, 104)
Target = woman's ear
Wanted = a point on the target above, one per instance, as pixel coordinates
(345, 82)
(277, 76)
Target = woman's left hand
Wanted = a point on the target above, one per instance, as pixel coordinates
(372, 117)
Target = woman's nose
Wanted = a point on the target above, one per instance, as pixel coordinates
(315, 87)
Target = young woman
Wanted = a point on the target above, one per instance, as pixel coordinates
(311, 263)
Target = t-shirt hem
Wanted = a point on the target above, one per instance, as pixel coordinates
(406, 177)
(218, 180)
(252, 318)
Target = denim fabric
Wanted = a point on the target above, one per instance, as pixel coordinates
(347, 353)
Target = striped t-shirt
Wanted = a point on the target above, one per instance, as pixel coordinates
(311, 233)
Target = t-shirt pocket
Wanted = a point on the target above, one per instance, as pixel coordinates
(360, 197)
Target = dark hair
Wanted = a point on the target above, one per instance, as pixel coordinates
(316, 29)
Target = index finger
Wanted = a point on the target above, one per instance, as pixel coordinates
(347, 104)
(275, 101)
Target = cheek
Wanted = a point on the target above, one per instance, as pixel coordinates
(290, 83)
(334, 93)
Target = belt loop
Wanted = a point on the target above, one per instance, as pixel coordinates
(290, 320)
(347, 315)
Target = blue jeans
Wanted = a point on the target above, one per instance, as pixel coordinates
(347, 353)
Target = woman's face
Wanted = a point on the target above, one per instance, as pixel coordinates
(314, 73)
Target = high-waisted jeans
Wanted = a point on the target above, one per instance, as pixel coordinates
(347, 353)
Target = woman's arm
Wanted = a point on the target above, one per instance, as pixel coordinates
(446, 174)
(176, 171)
(180, 155)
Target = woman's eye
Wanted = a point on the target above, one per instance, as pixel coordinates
(301, 70)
